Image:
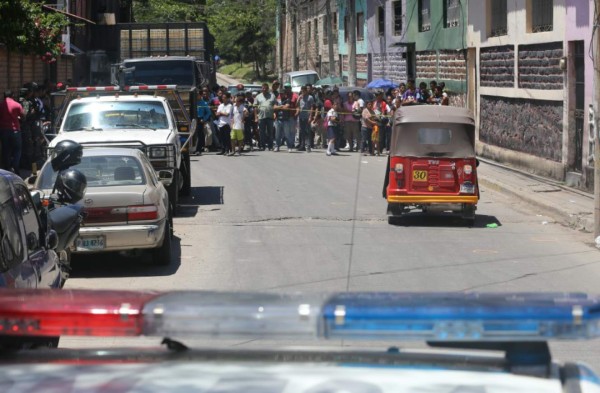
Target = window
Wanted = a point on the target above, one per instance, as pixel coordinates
(397, 17)
(346, 24)
(324, 24)
(119, 114)
(308, 31)
(334, 22)
(451, 13)
(498, 25)
(380, 21)
(424, 15)
(541, 15)
(434, 136)
(360, 26)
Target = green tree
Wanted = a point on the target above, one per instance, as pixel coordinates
(157, 11)
(28, 29)
(244, 30)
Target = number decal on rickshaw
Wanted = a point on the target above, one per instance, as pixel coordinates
(419, 175)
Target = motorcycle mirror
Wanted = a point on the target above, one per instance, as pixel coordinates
(52, 240)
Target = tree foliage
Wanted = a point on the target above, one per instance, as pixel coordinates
(28, 29)
(244, 30)
(157, 11)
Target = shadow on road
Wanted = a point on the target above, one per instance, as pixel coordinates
(119, 265)
(444, 220)
(201, 196)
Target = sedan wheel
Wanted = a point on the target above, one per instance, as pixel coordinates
(162, 255)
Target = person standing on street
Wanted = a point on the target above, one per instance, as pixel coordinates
(283, 122)
(332, 121)
(240, 113)
(351, 124)
(265, 102)
(305, 114)
(204, 116)
(11, 113)
(224, 113)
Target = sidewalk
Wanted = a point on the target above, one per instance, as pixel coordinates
(570, 206)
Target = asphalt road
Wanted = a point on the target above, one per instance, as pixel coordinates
(298, 221)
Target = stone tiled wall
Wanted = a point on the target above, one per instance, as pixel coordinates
(426, 65)
(539, 66)
(497, 67)
(452, 65)
(362, 63)
(529, 126)
(389, 65)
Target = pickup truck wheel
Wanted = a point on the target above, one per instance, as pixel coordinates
(162, 255)
(186, 173)
(173, 191)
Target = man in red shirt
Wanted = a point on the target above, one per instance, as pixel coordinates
(11, 112)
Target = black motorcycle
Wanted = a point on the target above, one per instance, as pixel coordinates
(61, 213)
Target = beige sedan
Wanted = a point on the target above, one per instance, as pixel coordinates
(127, 206)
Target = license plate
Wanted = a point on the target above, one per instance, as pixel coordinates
(90, 243)
(467, 188)
(419, 175)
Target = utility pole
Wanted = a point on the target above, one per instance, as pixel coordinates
(330, 36)
(280, 30)
(596, 84)
(352, 43)
(294, 22)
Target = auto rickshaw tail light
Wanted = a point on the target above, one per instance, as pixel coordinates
(399, 169)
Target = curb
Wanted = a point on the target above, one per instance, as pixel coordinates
(581, 222)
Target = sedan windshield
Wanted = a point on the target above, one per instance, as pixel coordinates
(101, 171)
(98, 116)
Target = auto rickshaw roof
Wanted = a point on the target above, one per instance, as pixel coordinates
(434, 114)
(452, 130)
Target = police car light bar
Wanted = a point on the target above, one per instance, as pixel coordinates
(151, 87)
(94, 88)
(355, 316)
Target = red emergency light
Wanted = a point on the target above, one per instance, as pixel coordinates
(94, 88)
(151, 87)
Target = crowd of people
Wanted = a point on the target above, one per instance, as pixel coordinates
(23, 116)
(314, 118)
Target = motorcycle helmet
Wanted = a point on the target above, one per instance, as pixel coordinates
(70, 186)
(66, 154)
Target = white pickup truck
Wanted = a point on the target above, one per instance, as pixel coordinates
(156, 123)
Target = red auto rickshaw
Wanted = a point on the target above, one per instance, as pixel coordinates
(432, 164)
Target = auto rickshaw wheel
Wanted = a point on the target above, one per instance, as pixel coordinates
(468, 214)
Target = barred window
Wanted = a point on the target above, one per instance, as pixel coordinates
(397, 17)
(498, 23)
(542, 13)
(380, 21)
(451, 13)
(424, 15)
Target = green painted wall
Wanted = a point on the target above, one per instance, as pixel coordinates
(438, 37)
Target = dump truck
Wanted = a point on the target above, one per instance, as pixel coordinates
(178, 54)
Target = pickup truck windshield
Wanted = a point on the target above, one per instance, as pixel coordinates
(156, 72)
(97, 116)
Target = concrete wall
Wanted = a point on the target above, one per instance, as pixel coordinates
(520, 86)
